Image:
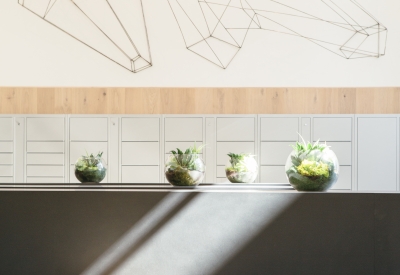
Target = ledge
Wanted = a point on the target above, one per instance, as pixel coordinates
(244, 188)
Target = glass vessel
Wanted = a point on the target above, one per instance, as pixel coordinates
(184, 169)
(241, 168)
(90, 169)
(313, 168)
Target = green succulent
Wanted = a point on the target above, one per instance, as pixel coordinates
(185, 159)
(302, 150)
(88, 162)
(237, 162)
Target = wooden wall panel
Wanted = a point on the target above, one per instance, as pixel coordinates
(199, 100)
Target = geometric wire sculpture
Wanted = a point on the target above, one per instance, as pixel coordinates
(114, 28)
(217, 29)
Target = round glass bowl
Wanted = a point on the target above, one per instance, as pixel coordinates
(313, 170)
(243, 170)
(184, 169)
(90, 170)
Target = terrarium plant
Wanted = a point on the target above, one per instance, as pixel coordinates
(185, 168)
(312, 167)
(90, 168)
(241, 168)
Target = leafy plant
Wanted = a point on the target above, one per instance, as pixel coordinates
(186, 159)
(237, 162)
(302, 150)
(242, 168)
(89, 162)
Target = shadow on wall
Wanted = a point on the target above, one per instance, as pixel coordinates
(186, 233)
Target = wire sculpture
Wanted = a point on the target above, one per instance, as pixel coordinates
(114, 28)
(217, 29)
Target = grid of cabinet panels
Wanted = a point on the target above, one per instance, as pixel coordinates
(140, 150)
(234, 135)
(338, 134)
(6, 150)
(277, 134)
(45, 150)
(87, 135)
(182, 133)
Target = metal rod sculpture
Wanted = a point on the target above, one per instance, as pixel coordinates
(217, 29)
(114, 28)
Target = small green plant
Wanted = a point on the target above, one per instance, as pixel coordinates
(185, 168)
(242, 168)
(186, 159)
(88, 162)
(237, 162)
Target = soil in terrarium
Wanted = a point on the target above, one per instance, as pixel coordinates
(183, 177)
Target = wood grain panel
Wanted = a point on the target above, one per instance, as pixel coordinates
(17, 100)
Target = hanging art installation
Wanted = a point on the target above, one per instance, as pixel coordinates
(114, 28)
(216, 29)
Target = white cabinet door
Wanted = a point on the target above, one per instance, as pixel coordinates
(223, 148)
(6, 158)
(221, 171)
(140, 153)
(140, 174)
(140, 129)
(44, 171)
(342, 151)
(273, 174)
(332, 129)
(275, 153)
(45, 129)
(88, 129)
(44, 180)
(6, 180)
(6, 129)
(344, 181)
(6, 170)
(54, 159)
(377, 154)
(45, 147)
(6, 146)
(236, 129)
(279, 129)
(184, 129)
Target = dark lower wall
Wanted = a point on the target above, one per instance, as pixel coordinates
(95, 232)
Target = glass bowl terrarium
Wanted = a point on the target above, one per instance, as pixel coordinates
(91, 169)
(312, 167)
(241, 168)
(185, 168)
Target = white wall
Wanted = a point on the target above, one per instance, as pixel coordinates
(34, 53)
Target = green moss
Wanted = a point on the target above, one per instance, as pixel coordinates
(313, 169)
